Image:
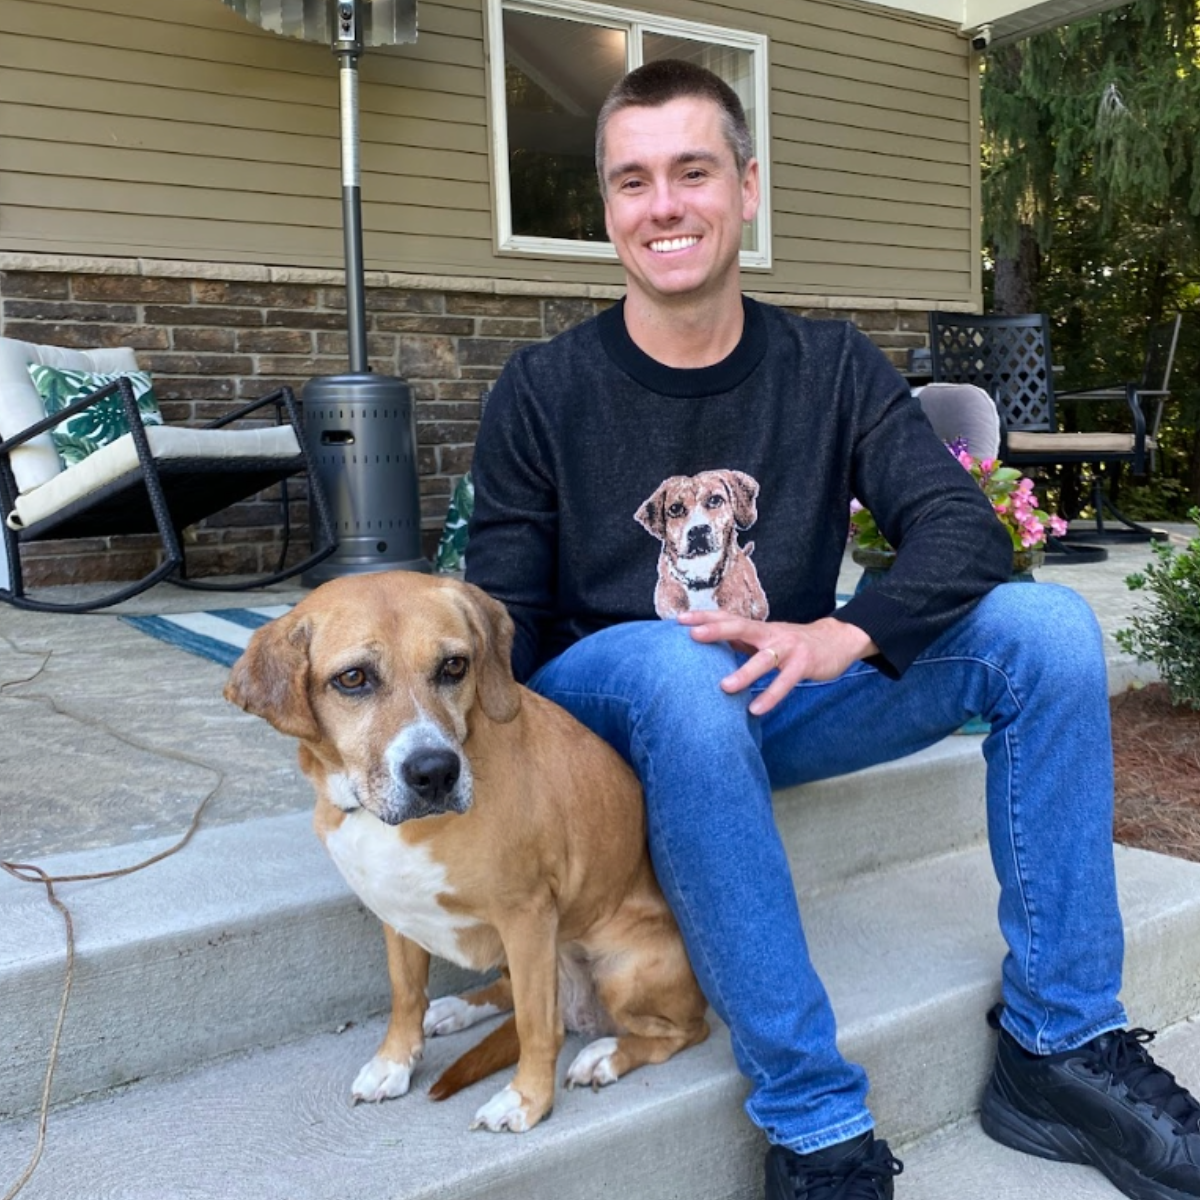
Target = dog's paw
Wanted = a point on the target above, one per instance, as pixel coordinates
(593, 1065)
(505, 1110)
(382, 1079)
(449, 1014)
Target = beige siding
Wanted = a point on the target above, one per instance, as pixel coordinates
(148, 128)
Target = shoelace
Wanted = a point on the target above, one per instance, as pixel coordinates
(1122, 1055)
(854, 1180)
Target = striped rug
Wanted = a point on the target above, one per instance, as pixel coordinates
(220, 635)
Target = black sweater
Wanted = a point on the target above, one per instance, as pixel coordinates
(574, 530)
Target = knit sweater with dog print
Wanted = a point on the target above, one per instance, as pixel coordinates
(609, 487)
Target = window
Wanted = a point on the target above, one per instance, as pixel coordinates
(552, 64)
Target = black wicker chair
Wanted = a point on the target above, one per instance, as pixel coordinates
(155, 479)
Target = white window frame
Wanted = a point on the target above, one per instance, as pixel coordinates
(635, 24)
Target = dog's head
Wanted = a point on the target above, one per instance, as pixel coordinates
(696, 517)
(382, 678)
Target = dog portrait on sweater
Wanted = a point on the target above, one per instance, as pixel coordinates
(697, 518)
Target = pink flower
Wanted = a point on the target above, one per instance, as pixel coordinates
(1058, 527)
(1032, 534)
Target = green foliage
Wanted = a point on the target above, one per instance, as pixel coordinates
(1168, 633)
(1091, 148)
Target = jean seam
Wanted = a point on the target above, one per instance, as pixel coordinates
(1029, 966)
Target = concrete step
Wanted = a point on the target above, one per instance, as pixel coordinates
(911, 958)
(962, 1161)
(258, 910)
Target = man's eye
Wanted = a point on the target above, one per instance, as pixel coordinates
(676, 509)
(453, 669)
(353, 680)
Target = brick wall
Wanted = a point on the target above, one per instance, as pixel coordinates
(214, 337)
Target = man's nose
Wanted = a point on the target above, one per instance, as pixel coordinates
(665, 202)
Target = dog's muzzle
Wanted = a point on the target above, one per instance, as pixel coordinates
(699, 540)
(430, 781)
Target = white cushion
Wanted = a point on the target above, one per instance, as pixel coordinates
(166, 441)
(20, 405)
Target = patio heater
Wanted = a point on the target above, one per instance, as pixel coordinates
(360, 426)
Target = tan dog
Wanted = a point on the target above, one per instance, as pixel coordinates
(481, 823)
(701, 565)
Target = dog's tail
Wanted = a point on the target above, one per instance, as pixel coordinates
(498, 1050)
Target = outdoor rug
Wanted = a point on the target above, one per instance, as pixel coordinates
(220, 635)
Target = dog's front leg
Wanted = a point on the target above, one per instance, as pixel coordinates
(389, 1073)
(530, 944)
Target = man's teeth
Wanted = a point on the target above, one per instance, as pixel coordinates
(680, 243)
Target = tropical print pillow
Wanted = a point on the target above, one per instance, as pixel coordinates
(452, 547)
(101, 423)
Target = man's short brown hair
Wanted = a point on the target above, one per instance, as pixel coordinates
(658, 83)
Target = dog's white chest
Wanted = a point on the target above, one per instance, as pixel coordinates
(399, 883)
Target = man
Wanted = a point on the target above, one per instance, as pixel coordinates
(618, 472)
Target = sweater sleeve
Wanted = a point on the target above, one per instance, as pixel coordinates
(950, 548)
(511, 547)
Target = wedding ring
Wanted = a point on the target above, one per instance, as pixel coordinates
(774, 654)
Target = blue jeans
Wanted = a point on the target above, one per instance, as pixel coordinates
(1030, 660)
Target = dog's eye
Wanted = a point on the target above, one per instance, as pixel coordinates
(353, 680)
(453, 669)
(676, 509)
(714, 502)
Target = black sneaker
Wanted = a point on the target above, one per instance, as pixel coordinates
(860, 1169)
(1107, 1104)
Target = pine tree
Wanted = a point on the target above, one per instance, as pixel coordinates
(1091, 188)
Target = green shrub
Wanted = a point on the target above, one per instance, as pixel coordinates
(1168, 632)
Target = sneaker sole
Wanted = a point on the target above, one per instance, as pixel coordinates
(1009, 1126)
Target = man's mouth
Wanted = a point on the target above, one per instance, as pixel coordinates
(668, 245)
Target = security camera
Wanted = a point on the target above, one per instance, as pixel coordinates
(981, 39)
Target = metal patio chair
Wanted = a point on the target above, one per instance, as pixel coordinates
(1009, 357)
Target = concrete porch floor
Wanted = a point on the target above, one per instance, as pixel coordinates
(111, 737)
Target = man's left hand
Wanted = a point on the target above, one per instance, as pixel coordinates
(820, 650)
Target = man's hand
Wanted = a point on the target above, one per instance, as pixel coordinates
(821, 650)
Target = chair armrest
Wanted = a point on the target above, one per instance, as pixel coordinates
(84, 402)
(1095, 394)
(283, 399)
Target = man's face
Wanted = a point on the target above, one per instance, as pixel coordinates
(675, 203)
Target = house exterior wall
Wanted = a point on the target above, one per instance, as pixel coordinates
(169, 180)
(133, 127)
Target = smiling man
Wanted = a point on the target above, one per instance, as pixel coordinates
(662, 500)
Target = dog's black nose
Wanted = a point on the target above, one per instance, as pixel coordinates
(431, 774)
(699, 539)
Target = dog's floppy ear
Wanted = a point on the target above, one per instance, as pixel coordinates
(492, 627)
(744, 491)
(270, 680)
(652, 515)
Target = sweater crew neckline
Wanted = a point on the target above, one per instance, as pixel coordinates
(685, 382)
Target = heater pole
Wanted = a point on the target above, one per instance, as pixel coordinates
(348, 46)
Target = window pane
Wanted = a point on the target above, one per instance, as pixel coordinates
(732, 64)
(557, 74)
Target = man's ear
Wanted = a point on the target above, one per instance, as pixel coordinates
(492, 628)
(270, 680)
